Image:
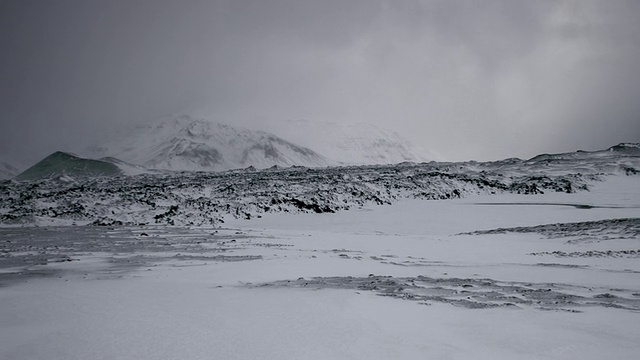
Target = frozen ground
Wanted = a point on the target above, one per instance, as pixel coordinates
(448, 279)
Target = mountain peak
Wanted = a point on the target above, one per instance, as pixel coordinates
(64, 165)
(187, 143)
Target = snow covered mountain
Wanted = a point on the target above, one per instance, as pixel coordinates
(9, 168)
(352, 143)
(620, 151)
(188, 144)
(622, 157)
(7, 171)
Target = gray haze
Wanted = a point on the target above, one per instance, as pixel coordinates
(467, 79)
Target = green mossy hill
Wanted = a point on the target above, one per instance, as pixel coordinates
(60, 164)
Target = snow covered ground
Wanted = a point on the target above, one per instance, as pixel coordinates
(449, 279)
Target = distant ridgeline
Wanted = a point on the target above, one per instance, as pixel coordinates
(64, 189)
(65, 166)
(61, 165)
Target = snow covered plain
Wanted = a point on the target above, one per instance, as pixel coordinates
(448, 279)
(509, 259)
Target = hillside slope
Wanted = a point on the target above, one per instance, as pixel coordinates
(63, 165)
(352, 143)
(7, 171)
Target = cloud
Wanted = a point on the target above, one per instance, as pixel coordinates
(467, 79)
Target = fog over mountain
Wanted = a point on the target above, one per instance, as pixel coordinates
(7, 170)
(465, 79)
(352, 143)
(189, 144)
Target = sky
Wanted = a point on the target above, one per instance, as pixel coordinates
(478, 80)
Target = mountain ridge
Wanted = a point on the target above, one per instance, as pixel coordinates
(7, 170)
(194, 144)
(352, 143)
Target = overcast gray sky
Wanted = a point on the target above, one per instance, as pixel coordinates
(467, 79)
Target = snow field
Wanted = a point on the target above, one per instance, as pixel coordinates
(199, 306)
